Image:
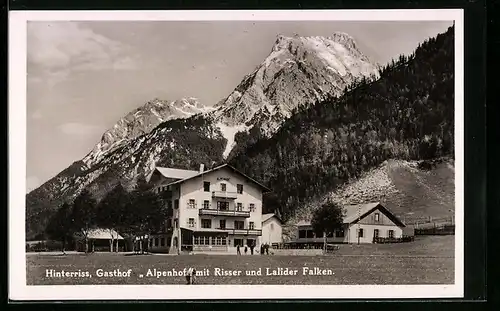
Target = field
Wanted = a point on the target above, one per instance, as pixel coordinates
(427, 260)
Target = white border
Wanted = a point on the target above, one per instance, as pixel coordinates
(18, 290)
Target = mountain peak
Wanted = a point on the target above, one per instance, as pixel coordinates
(298, 71)
(142, 120)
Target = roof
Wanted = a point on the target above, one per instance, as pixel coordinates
(103, 234)
(266, 217)
(359, 211)
(176, 173)
(353, 212)
(266, 189)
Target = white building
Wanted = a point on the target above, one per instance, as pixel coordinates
(272, 229)
(362, 224)
(213, 210)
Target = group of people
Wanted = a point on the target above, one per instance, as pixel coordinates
(264, 249)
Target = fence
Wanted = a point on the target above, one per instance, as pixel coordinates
(427, 222)
(379, 240)
(437, 230)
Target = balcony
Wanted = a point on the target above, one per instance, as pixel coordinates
(216, 212)
(224, 194)
(242, 231)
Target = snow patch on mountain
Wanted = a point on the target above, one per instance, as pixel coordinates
(228, 132)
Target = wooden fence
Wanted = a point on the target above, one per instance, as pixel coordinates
(436, 230)
(379, 240)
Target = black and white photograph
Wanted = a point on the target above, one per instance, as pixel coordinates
(251, 154)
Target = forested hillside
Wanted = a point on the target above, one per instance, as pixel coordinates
(406, 114)
(183, 143)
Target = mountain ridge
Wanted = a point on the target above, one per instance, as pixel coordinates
(210, 137)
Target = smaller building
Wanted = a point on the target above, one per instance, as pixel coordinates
(99, 240)
(363, 223)
(272, 229)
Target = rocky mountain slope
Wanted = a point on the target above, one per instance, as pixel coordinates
(407, 114)
(141, 121)
(298, 71)
(409, 190)
(183, 134)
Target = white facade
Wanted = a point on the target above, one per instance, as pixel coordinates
(214, 210)
(272, 230)
(373, 221)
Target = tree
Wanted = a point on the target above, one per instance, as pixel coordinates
(328, 218)
(83, 215)
(145, 214)
(59, 226)
(111, 211)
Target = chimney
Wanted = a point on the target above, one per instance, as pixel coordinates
(202, 168)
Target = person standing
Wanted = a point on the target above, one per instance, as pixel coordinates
(251, 248)
(246, 249)
(267, 249)
(262, 249)
(238, 251)
(191, 276)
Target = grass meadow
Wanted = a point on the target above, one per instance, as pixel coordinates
(427, 260)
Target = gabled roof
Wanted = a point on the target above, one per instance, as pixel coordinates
(103, 234)
(266, 217)
(266, 189)
(176, 173)
(359, 211)
(352, 212)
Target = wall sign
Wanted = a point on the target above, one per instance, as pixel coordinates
(223, 178)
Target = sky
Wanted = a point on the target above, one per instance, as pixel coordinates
(82, 77)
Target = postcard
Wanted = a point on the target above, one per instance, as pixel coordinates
(236, 154)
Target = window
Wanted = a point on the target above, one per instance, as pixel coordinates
(191, 222)
(239, 206)
(222, 206)
(302, 234)
(272, 227)
(176, 223)
(360, 233)
(222, 224)
(238, 242)
(309, 234)
(169, 204)
(192, 203)
(223, 240)
(150, 242)
(176, 204)
(169, 223)
(239, 188)
(196, 240)
(251, 225)
(222, 187)
(252, 207)
(377, 217)
(339, 233)
(375, 232)
(206, 204)
(206, 186)
(156, 242)
(162, 242)
(206, 223)
(391, 234)
(239, 225)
